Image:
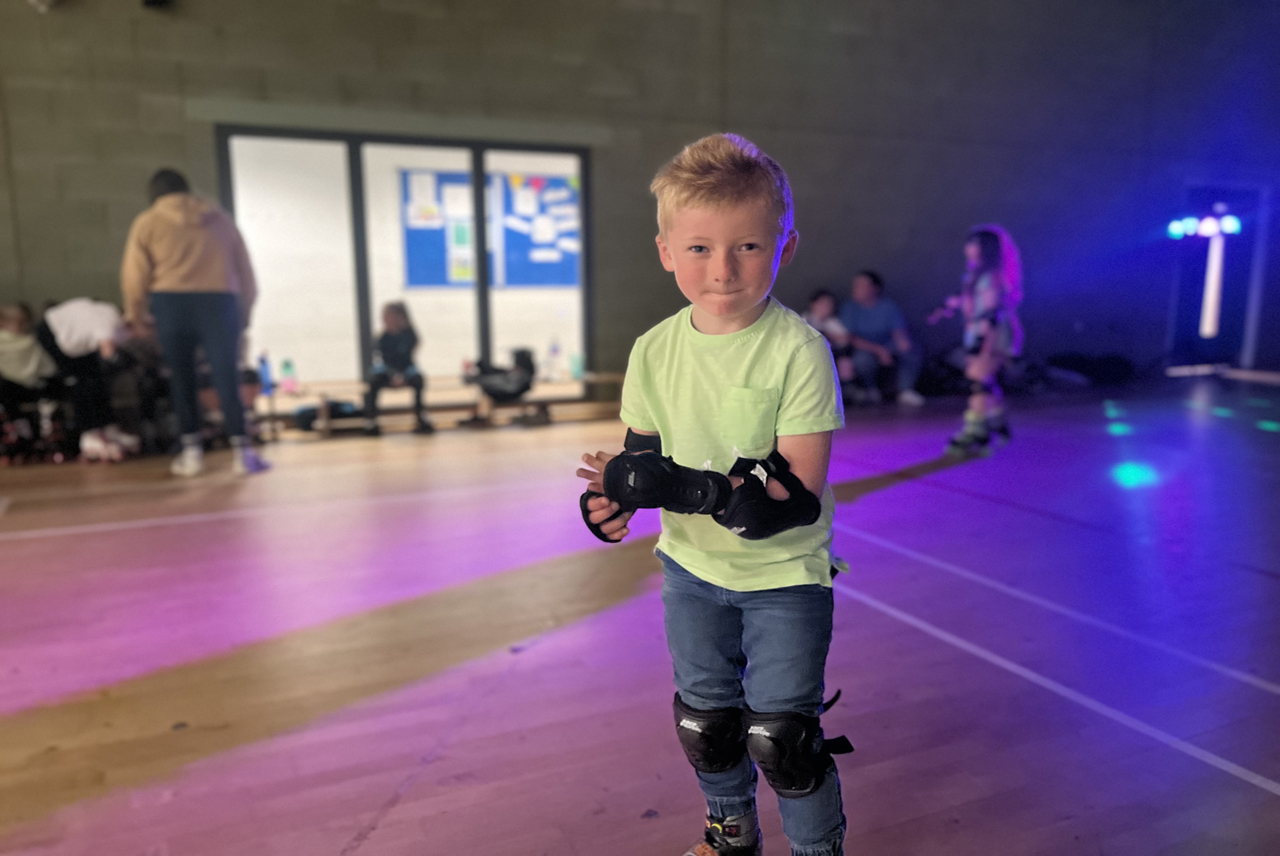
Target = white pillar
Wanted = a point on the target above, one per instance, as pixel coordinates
(1211, 304)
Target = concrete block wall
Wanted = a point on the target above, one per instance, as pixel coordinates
(901, 122)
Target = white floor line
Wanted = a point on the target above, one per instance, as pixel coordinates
(1076, 615)
(259, 511)
(1164, 737)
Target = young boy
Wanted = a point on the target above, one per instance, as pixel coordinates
(740, 396)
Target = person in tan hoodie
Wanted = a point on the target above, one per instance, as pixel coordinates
(186, 273)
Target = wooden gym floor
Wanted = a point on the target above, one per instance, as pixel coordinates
(411, 645)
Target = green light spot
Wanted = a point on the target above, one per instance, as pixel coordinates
(1224, 412)
(1119, 429)
(1259, 402)
(1131, 475)
(1268, 425)
(1193, 405)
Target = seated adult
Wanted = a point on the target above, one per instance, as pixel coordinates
(821, 316)
(25, 369)
(878, 333)
(83, 336)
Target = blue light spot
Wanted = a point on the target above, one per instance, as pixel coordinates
(1190, 225)
(1230, 225)
(1268, 425)
(1224, 412)
(1119, 429)
(1131, 476)
(1176, 230)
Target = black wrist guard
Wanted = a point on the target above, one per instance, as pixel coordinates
(752, 514)
(648, 480)
(634, 443)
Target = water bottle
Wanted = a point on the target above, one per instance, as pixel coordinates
(288, 380)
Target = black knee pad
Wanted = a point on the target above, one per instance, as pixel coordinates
(712, 739)
(982, 387)
(789, 750)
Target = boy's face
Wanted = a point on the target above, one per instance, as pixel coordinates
(725, 259)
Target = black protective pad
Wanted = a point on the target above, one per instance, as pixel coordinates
(712, 739)
(634, 443)
(790, 751)
(586, 517)
(647, 480)
(750, 513)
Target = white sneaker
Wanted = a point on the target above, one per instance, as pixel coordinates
(189, 463)
(911, 398)
(245, 462)
(95, 446)
(131, 443)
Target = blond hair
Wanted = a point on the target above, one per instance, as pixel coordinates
(722, 169)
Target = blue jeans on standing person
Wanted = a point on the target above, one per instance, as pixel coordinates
(866, 368)
(766, 650)
(210, 320)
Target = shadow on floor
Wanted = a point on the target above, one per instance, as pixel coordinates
(849, 491)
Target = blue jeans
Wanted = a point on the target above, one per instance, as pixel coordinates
(866, 368)
(766, 650)
(211, 320)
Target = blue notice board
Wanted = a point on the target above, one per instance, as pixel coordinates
(436, 218)
(540, 239)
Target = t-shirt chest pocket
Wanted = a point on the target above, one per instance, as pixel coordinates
(748, 418)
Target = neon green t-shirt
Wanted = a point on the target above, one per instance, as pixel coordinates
(714, 399)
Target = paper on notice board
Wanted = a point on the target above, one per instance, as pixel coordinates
(524, 201)
(457, 202)
(544, 230)
(422, 211)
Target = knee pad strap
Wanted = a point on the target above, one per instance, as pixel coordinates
(712, 739)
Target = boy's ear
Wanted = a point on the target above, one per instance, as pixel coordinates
(789, 248)
(664, 253)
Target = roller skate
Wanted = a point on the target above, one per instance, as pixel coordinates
(729, 836)
(973, 439)
(96, 446)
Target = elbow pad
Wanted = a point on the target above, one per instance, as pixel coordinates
(634, 443)
(752, 514)
(642, 478)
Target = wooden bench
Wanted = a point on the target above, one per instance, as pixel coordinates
(450, 397)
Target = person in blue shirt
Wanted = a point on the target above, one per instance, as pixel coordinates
(879, 336)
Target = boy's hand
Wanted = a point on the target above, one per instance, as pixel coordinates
(602, 508)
